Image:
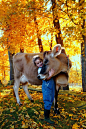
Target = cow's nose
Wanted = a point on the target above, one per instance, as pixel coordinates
(38, 76)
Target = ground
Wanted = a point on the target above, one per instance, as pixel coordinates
(30, 115)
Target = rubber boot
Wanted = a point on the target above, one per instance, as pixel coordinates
(46, 115)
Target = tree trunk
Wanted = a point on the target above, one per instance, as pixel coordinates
(38, 36)
(0, 83)
(83, 52)
(57, 27)
(56, 23)
(11, 65)
(51, 41)
(83, 60)
(22, 50)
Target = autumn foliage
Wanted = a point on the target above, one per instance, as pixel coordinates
(30, 24)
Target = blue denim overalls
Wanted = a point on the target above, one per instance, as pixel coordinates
(48, 90)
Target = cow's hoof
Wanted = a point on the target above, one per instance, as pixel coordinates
(32, 100)
(57, 112)
(20, 104)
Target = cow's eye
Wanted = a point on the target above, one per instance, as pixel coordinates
(46, 61)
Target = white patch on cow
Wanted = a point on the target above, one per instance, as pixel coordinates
(43, 77)
(52, 55)
(23, 79)
(39, 70)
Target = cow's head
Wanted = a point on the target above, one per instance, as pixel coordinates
(51, 62)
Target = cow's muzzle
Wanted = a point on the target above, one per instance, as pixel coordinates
(39, 77)
(42, 77)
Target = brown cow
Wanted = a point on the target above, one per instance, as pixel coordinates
(26, 71)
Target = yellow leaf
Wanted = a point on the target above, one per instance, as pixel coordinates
(70, 114)
(51, 127)
(23, 123)
(84, 115)
(35, 111)
(12, 127)
(41, 112)
(24, 126)
(34, 124)
(75, 126)
(11, 110)
(24, 108)
(27, 116)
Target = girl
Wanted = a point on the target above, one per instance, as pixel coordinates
(48, 89)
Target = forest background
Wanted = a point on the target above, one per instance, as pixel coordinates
(38, 25)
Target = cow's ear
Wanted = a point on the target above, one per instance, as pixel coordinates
(56, 50)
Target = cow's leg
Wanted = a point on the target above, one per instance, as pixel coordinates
(16, 88)
(56, 109)
(27, 93)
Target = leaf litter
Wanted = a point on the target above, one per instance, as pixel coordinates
(31, 115)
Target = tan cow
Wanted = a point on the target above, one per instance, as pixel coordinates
(25, 70)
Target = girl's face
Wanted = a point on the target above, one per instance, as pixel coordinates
(39, 63)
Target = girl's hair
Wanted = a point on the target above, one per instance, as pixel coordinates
(36, 58)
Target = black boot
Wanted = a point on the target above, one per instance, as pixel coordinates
(46, 115)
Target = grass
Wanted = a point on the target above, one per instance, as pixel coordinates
(30, 115)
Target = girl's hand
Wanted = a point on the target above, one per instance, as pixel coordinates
(51, 73)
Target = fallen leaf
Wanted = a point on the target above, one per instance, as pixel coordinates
(75, 126)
